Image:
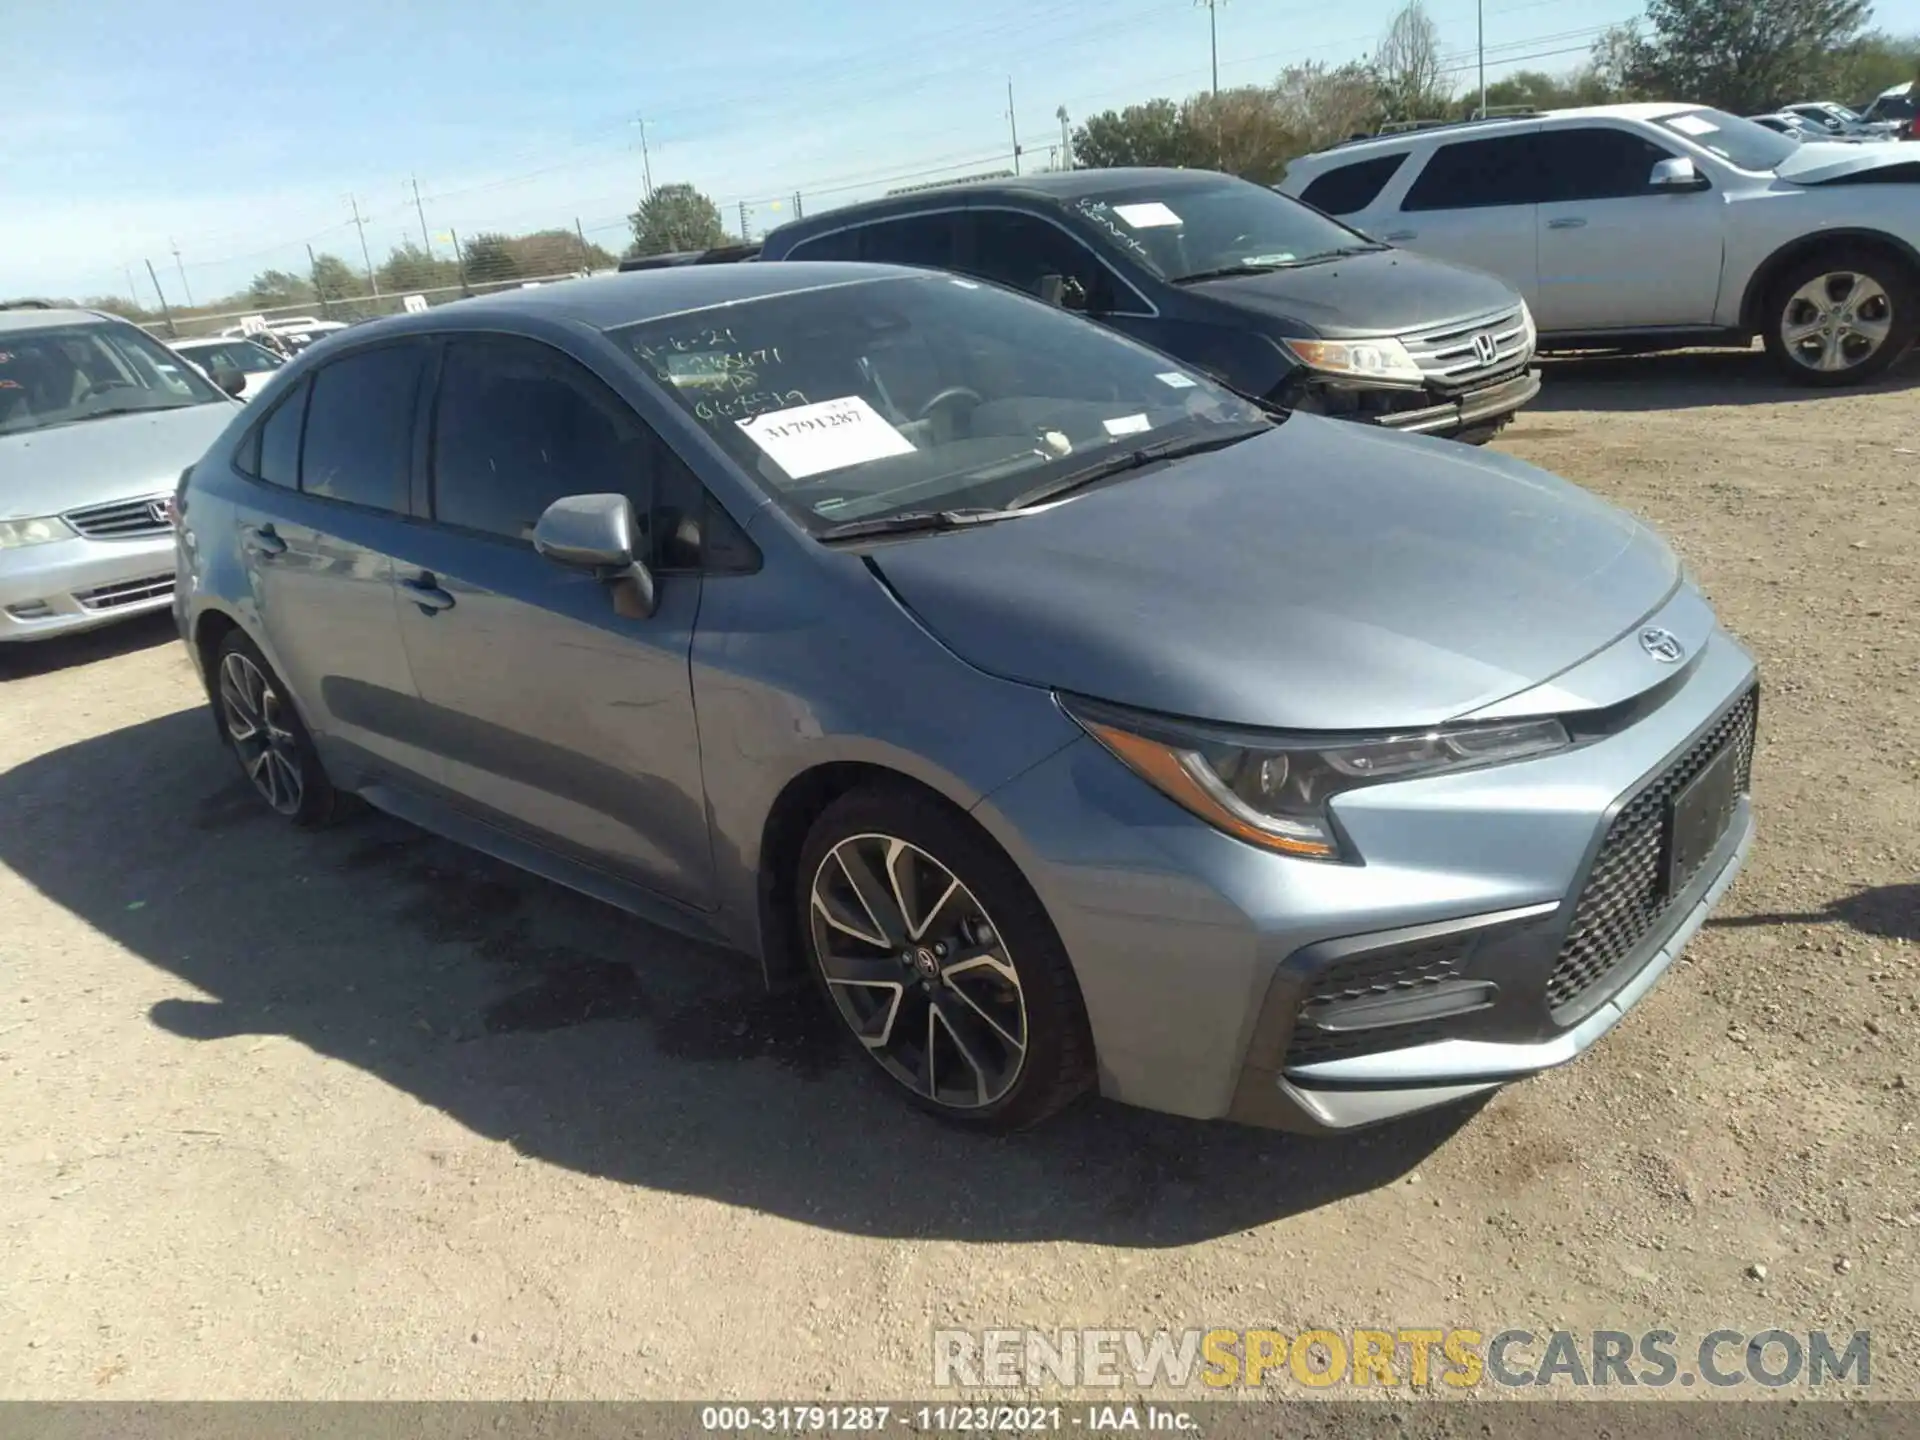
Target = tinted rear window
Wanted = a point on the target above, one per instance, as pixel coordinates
(359, 440)
(1470, 174)
(1349, 188)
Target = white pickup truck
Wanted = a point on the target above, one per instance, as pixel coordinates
(1643, 226)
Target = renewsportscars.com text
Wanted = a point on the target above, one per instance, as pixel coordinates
(1412, 1357)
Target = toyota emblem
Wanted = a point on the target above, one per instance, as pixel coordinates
(1662, 645)
(1487, 348)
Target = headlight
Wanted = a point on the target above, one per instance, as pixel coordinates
(1382, 359)
(1531, 331)
(16, 533)
(1274, 791)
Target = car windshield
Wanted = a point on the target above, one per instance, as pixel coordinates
(876, 398)
(1188, 231)
(71, 373)
(244, 355)
(1744, 144)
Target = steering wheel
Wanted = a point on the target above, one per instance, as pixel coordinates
(948, 396)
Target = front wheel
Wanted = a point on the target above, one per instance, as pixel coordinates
(939, 959)
(1842, 317)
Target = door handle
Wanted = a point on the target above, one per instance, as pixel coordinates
(1567, 222)
(262, 541)
(424, 591)
(1401, 235)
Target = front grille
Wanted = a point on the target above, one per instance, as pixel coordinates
(127, 592)
(1402, 972)
(1626, 895)
(122, 519)
(1449, 357)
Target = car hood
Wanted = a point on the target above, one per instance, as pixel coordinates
(46, 472)
(1818, 162)
(1327, 576)
(1386, 292)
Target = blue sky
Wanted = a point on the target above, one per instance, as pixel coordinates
(239, 133)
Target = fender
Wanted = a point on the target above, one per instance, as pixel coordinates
(1764, 273)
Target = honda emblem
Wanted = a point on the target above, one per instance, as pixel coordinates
(1487, 348)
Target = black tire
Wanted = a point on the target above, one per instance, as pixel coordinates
(1894, 279)
(1055, 1066)
(292, 747)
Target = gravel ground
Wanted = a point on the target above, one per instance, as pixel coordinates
(364, 1115)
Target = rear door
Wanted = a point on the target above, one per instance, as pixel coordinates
(556, 717)
(335, 458)
(1474, 202)
(1614, 252)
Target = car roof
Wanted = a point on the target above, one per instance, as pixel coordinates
(608, 302)
(1058, 185)
(16, 321)
(1491, 127)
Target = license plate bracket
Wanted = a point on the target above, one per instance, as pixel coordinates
(1699, 816)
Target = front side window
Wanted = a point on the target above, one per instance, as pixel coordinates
(1741, 143)
(1349, 189)
(1476, 174)
(68, 374)
(919, 392)
(359, 432)
(835, 245)
(1021, 251)
(519, 426)
(1209, 227)
(1597, 163)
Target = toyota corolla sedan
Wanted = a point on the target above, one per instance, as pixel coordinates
(1073, 721)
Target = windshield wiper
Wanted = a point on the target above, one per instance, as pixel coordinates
(113, 410)
(1133, 460)
(909, 522)
(1227, 272)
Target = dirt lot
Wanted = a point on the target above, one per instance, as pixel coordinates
(361, 1114)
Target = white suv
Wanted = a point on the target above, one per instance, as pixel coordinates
(1640, 226)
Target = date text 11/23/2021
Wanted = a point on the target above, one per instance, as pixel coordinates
(1103, 1419)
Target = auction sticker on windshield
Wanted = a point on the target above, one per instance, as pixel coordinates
(812, 439)
(1145, 217)
(1692, 125)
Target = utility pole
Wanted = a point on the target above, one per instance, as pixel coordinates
(459, 260)
(1013, 128)
(586, 262)
(185, 288)
(1213, 37)
(743, 222)
(133, 290)
(313, 279)
(797, 212)
(365, 254)
(646, 160)
(420, 210)
(1480, 16)
(171, 330)
(1066, 139)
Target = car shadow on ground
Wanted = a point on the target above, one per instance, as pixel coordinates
(1886, 912)
(89, 647)
(1683, 380)
(588, 1039)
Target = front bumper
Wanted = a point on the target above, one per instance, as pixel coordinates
(1209, 966)
(1473, 410)
(78, 584)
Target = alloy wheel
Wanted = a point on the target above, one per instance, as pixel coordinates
(919, 971)
(1837, 321)
(256, 719)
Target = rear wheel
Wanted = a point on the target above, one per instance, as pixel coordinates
(260, 726)
(939, 959)
(1841, 317)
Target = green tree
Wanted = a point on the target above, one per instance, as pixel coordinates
(408, 268)
(489, 258)
(1743, 55)
(556, 252)
(676, 217)
(1871, 64)
(1156, 133)
(271, 288)
(1407, 67)
(335, 280)
(117, 305)
(1242, 131)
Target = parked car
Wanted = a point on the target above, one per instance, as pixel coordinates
(1838, 120)
(254, 363)
(1797, 126)
(842, 614)
(1254, 289)
(1898, 105)
(1655, 224)
(97, 420)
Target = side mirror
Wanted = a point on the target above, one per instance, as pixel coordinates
(229, 377)
(596, 533)
(1676, 174)
(1063, 292)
